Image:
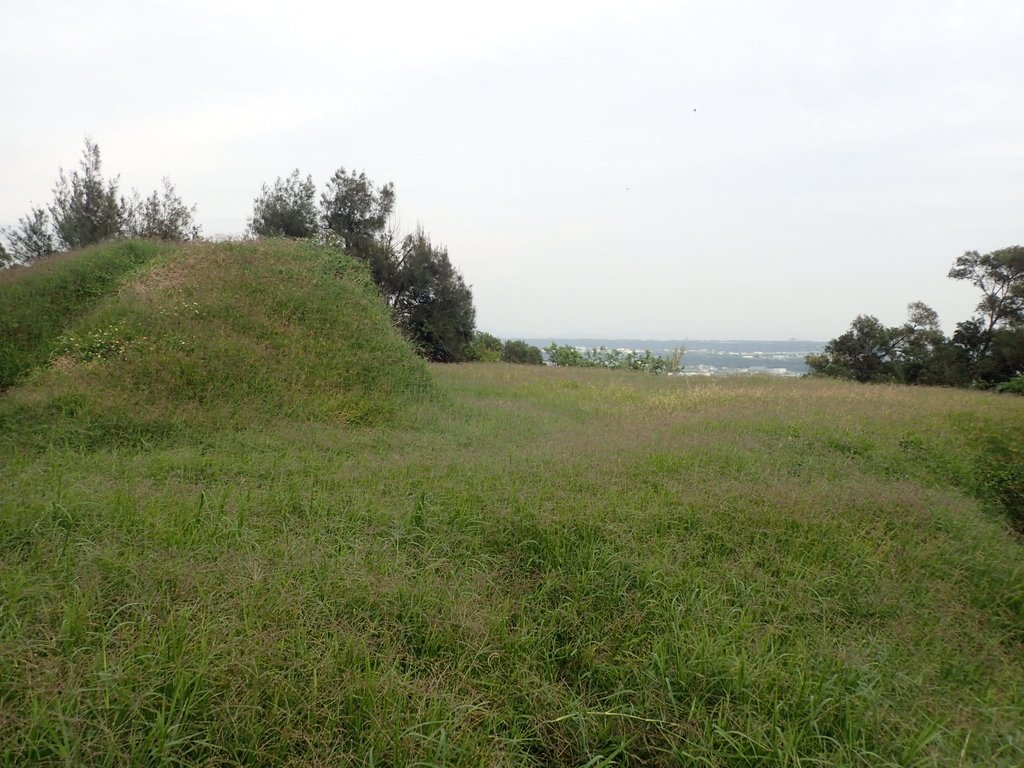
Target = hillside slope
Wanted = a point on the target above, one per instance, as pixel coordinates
(213, 335)
(39, 302)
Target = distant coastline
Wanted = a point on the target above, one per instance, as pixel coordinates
(712, 357)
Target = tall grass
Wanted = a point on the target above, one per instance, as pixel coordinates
(532, 567)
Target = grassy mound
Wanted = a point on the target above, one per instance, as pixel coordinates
(217, 335)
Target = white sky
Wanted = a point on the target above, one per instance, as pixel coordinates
(842, 154)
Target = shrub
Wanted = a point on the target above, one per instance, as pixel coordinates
(602, 357)
(1013, 386)
(287, 209)
(485, 348)
(521, 352)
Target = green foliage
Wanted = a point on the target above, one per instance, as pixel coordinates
(566, 356)
(918, 353)
(86, 208)
(871, 352)
(430, 301)
(1005, 358)
(484, 348)
(355, 212)
(40, 303)
(288, 209)
(1014, 386)
(93, 344)
(998, 451)
(866, 352)
(520, 352)
(30, 240)
(602, 357)
(163, 217)
(1000, 277)
(985, 350)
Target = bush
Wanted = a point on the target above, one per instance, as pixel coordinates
(521, 352)
(565, 356)
(1013, 386)
(485, 348)
(162, 218)
(602, 357)
(999, 468)
(287, 209)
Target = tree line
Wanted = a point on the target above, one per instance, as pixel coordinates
(985, 351)
(488, 348)
(88, 208)
(429, 299)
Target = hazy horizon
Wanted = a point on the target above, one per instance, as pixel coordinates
(588, 337)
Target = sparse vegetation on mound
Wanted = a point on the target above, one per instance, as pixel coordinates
(214, 336)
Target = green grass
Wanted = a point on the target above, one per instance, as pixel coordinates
(37, 304)
(512, 566)
(216, 336)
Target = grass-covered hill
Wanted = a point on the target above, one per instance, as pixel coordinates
(240, 524)
(145, 341)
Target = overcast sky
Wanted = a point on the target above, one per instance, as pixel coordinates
(643, 169)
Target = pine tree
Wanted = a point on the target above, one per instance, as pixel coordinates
(86, 208)
(287, 209)
(31, 239)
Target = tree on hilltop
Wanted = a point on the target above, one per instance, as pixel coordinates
(288, 209)
(985, 349)
(1000, 276)
(355, 215)
(355, 211)
(86, 208)
(30, 239)
(428, 298)
(163, 217)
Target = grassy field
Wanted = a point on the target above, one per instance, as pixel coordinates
(285, 541)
